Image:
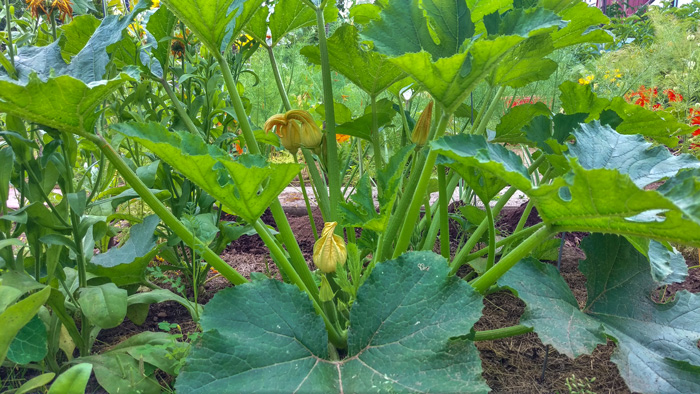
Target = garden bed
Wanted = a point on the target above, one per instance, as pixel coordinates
(511, 365)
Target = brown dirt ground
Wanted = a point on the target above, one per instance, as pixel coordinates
(511, 365)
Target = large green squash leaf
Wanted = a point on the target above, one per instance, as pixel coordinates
(370, 71)
(270, 339)
(656, 343)
(290, 15)
(64, 103)
(246, 187)
(604, 191)
(583, 25)
(561, 324)
(214, 22)
(438, 27)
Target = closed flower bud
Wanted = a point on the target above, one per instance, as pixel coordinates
(325, 294)
(422, 128)
(329, 250)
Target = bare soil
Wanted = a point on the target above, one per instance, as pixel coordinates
(511, 365)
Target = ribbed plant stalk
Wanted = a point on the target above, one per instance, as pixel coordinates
(278, 79)
(180, 109)
(434, 228)
(461, 256)
(328, 103)
(491, 224)
(499, 333)
(278, 214)
(8, 25)
(165, 215)
(442, 209)
(374, 133)
(489, 278)
(476, 121)
(319, 185)
(421, 188)
(492, 107)
(306, 201)
(387, 238)
(507, 241)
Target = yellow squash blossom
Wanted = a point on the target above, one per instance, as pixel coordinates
(329, 250)
(422, 128)
(295, 128)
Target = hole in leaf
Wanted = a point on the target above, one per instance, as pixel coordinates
(565, 193)
(650, 216)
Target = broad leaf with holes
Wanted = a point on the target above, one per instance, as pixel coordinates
(245, 187)
(604, 191)
(215, 23)
(656, 343)
(270, 338)
(370, 71)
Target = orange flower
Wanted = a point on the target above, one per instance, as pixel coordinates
(177, 48)
(342, 138)
(238, 149)
(656, 107)
(48, 7)
(673, 96)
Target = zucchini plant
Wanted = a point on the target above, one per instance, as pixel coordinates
(389, 314)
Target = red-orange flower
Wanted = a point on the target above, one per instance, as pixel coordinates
(673, 96)
(342, 138)
(642, 100)
(656, 107)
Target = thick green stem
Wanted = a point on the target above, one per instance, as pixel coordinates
(412, 214)
(444, 219)
(283, 226)
(309, 212)
(432, 234)
(507, 241)
(374, 133)
(386, 240)
(483, 282)
(334, 336)
(180, 109)
(506, 332)
(320, 185)
(278, 80)
(461, 256)
(331, 144)
(492, 107)
(492, 236)
(8, 25)
(165, 215)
